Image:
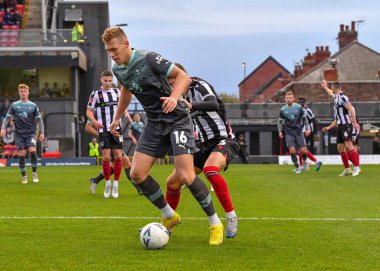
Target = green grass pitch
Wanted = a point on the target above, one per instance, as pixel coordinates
(309, 221)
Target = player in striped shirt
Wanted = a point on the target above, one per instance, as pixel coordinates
(345, 117)
(101, 109)
(216, 143)
(309, 139)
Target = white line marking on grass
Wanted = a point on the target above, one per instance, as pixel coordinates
(194, 218)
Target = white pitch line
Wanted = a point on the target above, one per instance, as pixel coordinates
(193, 218)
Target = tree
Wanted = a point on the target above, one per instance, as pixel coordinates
(228, 98)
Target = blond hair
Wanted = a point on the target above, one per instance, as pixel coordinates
(113, 32)
(20, 86)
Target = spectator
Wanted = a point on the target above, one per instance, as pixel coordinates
(65, 92)
(7, 17)
(9, 137)
(93, 148)
(4, 109)
(46, 89)
(17, 18)
(243, 149)
(2, 5)
(135, 131)
(10, 4)
(55, 91)
(77, 32)
(376, 145)
(44, 94)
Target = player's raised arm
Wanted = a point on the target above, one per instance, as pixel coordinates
(328, 90)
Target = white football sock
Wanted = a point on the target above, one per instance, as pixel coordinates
(167, 211)
(214, 220)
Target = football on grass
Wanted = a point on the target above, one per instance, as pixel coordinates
(154, 236)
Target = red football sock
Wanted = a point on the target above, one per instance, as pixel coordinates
(354, 157)
(172, 197)
(300, 158)
(117, 169)
(344, 157)
(220, 187)
(106, 169)
(311, 156)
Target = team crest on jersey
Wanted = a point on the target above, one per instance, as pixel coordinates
(135, 87)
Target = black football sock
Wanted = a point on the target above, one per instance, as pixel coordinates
(33, 160)
(151, 189)
(128, 173)
(294, 159)
(200, 192)
(21, 164)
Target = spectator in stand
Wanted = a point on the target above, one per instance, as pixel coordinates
(55, 91)
(7, 17)
(2, 5)
(376, 145)
(12, 125)
(9, 137)
(10, 4)
(243, 153)
(17, 18)
(4, 109)
(46, 89)
(77, 32)
(65, 92)
(44, 94)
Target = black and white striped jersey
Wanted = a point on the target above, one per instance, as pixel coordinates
(311, 119)
(208, 124)
(341, 114)
(104, 103)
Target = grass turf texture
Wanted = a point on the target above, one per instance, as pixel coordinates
(79, 241)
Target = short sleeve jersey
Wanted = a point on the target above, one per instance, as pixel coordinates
(25, 116)
(210, 124)
(341, 113)
(104, 103)
(145, 76)
(293, 118)
(136, 129)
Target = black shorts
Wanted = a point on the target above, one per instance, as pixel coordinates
(109, 141)
(344, 133)
(228, 147)
(24, 142)
(157, 137)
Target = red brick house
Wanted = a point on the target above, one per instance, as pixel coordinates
(355, 66)
(262, 83)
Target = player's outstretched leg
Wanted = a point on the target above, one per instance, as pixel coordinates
(200, 192)
(21, 163)
(221, 191)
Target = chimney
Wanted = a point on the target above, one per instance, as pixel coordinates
(353, 26)
(345, 36)
(326, 48)
(330, 74)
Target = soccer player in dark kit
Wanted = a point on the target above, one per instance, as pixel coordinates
(25, 114)
(145, 74)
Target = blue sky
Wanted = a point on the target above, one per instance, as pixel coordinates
(212, 38)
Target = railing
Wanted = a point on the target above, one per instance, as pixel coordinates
(35, 38)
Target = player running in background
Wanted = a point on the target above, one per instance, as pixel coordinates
(94, 181)
(345, 117)
(104, 102)
(145, 74)
(216, 143)
(309, 139)
(294, 117)
(25, 114)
